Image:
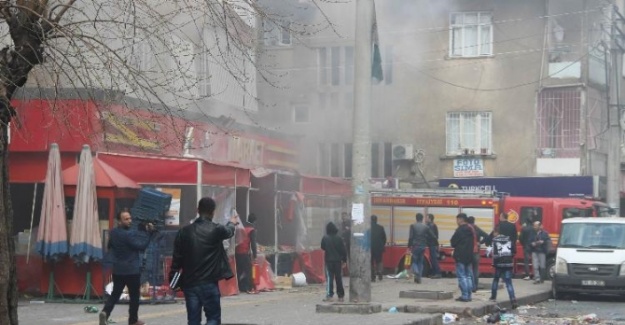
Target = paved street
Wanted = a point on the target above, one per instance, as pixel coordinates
(298, 306)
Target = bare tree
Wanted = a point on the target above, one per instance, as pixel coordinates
(145, 49)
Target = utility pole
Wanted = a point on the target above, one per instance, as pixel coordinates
(360, 255)
(614, 106)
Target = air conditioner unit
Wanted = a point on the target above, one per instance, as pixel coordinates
(403, 152)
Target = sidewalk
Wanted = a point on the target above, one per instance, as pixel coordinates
(298, 306)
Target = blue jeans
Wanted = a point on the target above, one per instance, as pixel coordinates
(506, 275)
(464, 272)
(434, 260)
(417, 260)
(203, 296)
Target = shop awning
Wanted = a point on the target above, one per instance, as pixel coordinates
(180, 171)
(105, 176)
(320, 185)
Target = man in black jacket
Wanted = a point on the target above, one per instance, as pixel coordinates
(200, 254)
(463, 242)
(507, 228)
(378, 241)
(524, 240)
(433, 247)
(335, 257)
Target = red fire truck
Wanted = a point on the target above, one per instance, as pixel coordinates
(396, 210)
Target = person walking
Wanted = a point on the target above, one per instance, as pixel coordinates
(335, 258)
(539, 242)
(200, 256)
(482, 236)
(419, 237)
(245, 254)
(463, 242)
(378, 242)
(503, 263)
(524, 240)
(433, 247)
(125, 247)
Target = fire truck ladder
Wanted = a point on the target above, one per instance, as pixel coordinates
(443, 192)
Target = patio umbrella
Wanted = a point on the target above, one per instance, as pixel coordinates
(85, 240)
(52, 234)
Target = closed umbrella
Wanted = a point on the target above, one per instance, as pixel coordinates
(52, 234)
(85, 240)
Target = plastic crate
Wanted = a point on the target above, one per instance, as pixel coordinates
(147, 214)
(150, 198)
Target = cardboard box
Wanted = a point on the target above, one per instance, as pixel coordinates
(283, 282)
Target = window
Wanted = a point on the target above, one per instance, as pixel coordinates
(469, 132)
(576, 213)
(471, 34)
(202, 63)
(336, 62)
(276, 35)
(300, 114)
(531, 214)
(388, 159)
(558, 122)
(349, 65)
(323, 162)
(322, 57)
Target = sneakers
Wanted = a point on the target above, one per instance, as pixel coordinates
(538, 281)
(138, 322)
(463, 299)
(514, 304)
(103, 317)
(436, 276)
(492, 299)
(527, 278)
(328, 299)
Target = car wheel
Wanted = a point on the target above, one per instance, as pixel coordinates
(555, 294)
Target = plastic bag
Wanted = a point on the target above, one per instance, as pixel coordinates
(449, 318)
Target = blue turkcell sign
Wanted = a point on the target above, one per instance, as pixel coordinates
(557, 186)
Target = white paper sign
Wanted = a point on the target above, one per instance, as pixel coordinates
(358, 213)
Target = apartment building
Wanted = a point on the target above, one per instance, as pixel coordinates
(471, 88)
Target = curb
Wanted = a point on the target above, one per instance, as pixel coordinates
(477, 311)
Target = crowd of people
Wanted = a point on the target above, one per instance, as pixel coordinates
(466, 242)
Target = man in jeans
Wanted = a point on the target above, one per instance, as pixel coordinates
(419, 238)
(539, 242)
(200, 256)
(125, 246)
(463, 242)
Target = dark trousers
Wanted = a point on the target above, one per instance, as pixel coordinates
(436, 269)
(333, 273)
(204, 296)
(476, 270)
(377, 267)
(527, 258)
(244, 272)
(133, 282)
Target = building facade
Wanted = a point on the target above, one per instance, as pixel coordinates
(471, 88)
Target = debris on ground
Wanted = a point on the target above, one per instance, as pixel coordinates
(401, 275)
(393, 310)
(449, 318)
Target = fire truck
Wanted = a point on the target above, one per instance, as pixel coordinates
(397, 209)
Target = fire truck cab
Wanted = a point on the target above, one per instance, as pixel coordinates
(396, 211)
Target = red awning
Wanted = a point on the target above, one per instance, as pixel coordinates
(181, 171)
(105, 176)
(325, 185)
